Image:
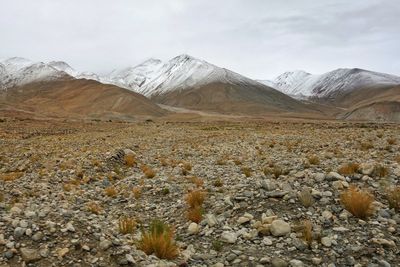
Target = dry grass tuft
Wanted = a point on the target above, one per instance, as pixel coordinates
(195, 214)
(277, 171)
(349, 169)
(11, 176)
(147, 171)
(307, 232)
(187, 166)
(393, 197)
(313, 160)
(305, 197)
(195, 198)
(391, 141)
(94, 208)
(130, 160)
(110, 191)
(137, 192)
(197, 181)
(397, 158)
(246, 171)
(126, 225)
(358, 202)
(1, 197)
(218, 182)
(366, 145)
(380, 171)
(159, 240)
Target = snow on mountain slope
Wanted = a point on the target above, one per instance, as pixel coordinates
(300, 83)
(63, 66)
(19, 71)
(184, 71)
(134, 77)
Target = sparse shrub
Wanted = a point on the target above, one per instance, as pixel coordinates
(197, 181)
(366, 145)
(148, 172)
(380, 171)
(137, 192)
(68, 187)
(391, 141)
(11, 176)
(159, 239)
(305, 197)
(358, 202)
(126, 225)
(393, 197)
(195, 198)
(307, 232)
(246, 171)
(221, 162)
(165, 191)
(164, 162)
(267, 171)
(313, 160)
(218, 182)
(349, 169)
(277, 171)
(195, 214)
(110, 191)
(130, 160)
(237, 161)
(187, 166)
(217, 245)
(93, 207)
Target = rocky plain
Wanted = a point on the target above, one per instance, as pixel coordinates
(269, 193)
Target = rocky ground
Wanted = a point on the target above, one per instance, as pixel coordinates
(263, 181)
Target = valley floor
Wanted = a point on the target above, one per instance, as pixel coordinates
(65, 186)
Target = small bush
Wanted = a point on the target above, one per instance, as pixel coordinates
(357, 202)
(137, 192)
(197, 181)
(313, 160)
(148, 172)
(305, 197)
(277, 171)
(366, 145)
(1, 197)
(126, 225)
(393, 197)
(159, 239)
(397, 158)
(187, 166)
(349, 169)
(165, 191)
(380, 171)
(195, 214)
(391, 141)
(130, 160)
(195, 198)
(110, 191)
(217, 245)
(93, 207)
(218, 182)
(246, 171)
(307, 232)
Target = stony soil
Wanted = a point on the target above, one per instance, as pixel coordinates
(51, 171)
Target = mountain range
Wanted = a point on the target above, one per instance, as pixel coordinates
(196, 85)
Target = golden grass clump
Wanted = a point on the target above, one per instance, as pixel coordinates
(218, 182)
(197, 181)
(349, 169)
(187, 166)
(307, 232)
(148, 172)
(195, 214)
(246, 171)
(11, 176)
(393, 197)
(94, 208)
(305, 197)
(110, 191)
(130, 160)
(313, 160)
(380, 171)
(159, 240)
(358, 202)
(137, 192)
(126, 225)
(195, 198)
(391, 141)
(366, 145)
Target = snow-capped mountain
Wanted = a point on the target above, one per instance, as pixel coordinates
(184, 71)
(300, 83)
(134, 77)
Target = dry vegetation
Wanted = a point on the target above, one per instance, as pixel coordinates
(358, 202)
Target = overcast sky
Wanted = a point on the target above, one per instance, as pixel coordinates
(257, 38)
